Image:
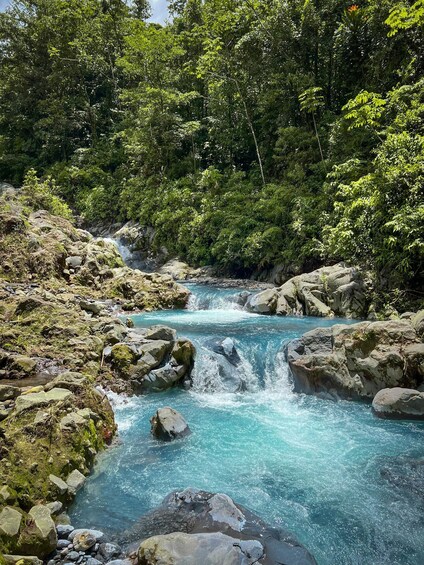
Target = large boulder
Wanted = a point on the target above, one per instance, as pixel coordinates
(41, 399)
(399, 403)
(168, 424)
(39, 536)
(358, 360)
(193, 512)
(178, 270)
(330, 291)
(191, 549)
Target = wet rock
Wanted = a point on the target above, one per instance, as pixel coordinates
(192, 512)
(162, 378)
(225, 347)
(168, 424)
(264, 302)
(356, 361)
(109, 550)
(64, 530)
(93, 561)
(97, 535)
(399, 403)
(192, 549)
(83, 541)
(62, 544)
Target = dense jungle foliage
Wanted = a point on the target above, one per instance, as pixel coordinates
(248, 133)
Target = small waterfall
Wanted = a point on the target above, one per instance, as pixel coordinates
(207, 298)
(130, 257)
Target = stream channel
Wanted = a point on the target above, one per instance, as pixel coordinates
(346, 484)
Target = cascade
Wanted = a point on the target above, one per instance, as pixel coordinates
(299, 461)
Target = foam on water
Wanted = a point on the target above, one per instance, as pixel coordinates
(347, 484)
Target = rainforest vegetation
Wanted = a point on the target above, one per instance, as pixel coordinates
(247, 133)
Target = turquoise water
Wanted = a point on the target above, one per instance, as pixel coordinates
(348, 485)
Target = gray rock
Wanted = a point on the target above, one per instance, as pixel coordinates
(74, 261)
(119, 562)
(225, 347)
(73, 555)
(356, 361)
(161, 332)
(62, 543)
(93, 307)
(64, 530)
(168, 424)
(39, 536)
(109, 550)
(192, 549)
(335, 290)
(96, 534)
(191, 512)
(264, 302)
(10, 523)
(38, 399)
(93, 561)
(399, 403)
(55, 507)
(9, 392)
(162, 378)
(75, 481)
(58, 485)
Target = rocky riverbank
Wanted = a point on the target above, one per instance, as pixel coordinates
(60, 340)
(359, 360)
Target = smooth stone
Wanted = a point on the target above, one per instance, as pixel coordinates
(64, 530)
(109, 550)
(168, 424)
(73, 555)
(399, 403)
(63, 543)
(192, 549)
(95, 535)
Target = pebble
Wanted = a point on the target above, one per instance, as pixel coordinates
(73, 555)
(93, 561)
(62, 543)
(63, 530)
(109, 550)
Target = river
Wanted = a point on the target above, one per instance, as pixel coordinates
(346, 484)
